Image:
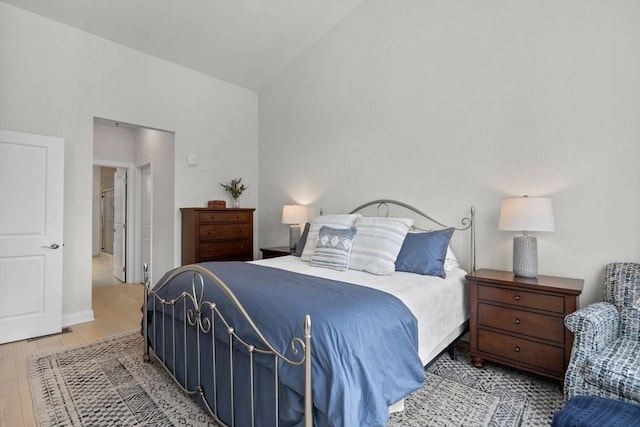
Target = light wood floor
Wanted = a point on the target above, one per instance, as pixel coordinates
(116, 309)
(102, 270)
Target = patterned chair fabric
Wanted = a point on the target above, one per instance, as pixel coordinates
(605, 360)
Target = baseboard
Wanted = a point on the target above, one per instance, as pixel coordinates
(75, 318)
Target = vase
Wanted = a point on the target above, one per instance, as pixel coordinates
(236, 202)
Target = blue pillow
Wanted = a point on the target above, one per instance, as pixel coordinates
(424, 253)
(303, 241)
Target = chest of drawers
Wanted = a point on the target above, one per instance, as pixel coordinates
(519, 322)
(216, 235)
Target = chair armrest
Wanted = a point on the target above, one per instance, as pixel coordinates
(594, 327)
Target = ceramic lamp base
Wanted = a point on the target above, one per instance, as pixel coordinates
(294, 236)
(525, 256)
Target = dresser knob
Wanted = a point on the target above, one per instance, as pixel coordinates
(210, 250)
(516, 297)
(516, 349)
(241, 230)
(516, 321)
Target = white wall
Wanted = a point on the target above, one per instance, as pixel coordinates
(113, 143)
(155, 148)
(96, 231)
(450, 104)
(56, 79)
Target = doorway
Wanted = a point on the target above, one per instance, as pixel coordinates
(111, 245)
(147, 158)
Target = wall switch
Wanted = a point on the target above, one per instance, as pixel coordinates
(192, 160)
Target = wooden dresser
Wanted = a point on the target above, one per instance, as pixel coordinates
(216, 235)
(519, 322)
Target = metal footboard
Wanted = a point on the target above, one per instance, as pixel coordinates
(193, 317)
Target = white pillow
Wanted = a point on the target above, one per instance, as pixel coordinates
(335, 221)
(450, 261)
(377, 243)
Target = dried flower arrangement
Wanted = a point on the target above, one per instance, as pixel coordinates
(235, 187)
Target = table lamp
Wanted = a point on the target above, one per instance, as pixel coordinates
(526, 214)
(294, 215)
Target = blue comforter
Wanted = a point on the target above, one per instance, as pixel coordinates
(364, 341)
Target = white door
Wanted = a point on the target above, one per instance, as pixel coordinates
(31, 250)
(145, 215)
(119, 223)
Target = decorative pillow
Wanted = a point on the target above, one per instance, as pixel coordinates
(425, 253)
(378, 243)
(333, 248)
(335, 221)
(303, 239)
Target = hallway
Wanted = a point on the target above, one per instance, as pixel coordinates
(102, 271)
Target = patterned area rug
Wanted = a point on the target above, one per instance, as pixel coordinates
(107, 383)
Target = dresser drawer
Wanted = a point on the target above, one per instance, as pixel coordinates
(553, 303)
(208, 217)
(224, 231)
(522, 351)
(522, 322)
(226, 250)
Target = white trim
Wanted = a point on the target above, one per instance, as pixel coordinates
(137, 274)
(75, 318)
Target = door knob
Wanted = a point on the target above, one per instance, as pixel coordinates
(52, 246)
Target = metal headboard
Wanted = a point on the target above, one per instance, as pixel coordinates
(468, 223)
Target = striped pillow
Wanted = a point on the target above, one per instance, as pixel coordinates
(377, 244)
(335, 221)
(333, 248)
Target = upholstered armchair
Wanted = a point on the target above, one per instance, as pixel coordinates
(605, 360)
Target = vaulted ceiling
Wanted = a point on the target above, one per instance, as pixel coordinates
(245, 42)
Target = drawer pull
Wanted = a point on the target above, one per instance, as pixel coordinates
(516, 349)
(241, 230)
(516, 297)
(210, 250)
(516, 321)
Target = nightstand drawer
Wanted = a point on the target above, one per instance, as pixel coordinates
(224, 231)
(522, 322)
(520, 350)
(226, 250)
(519, 321)
(230, 216)
(521, 298)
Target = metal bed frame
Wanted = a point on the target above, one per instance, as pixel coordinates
(468, 223)
(193, 305)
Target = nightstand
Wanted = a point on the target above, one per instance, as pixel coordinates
(275, 252)
(519, 322)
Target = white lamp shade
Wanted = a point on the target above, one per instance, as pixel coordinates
(294, 214)
(526, 214)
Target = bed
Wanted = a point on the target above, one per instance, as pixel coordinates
(238, 336)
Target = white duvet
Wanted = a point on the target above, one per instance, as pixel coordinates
(439, 305)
